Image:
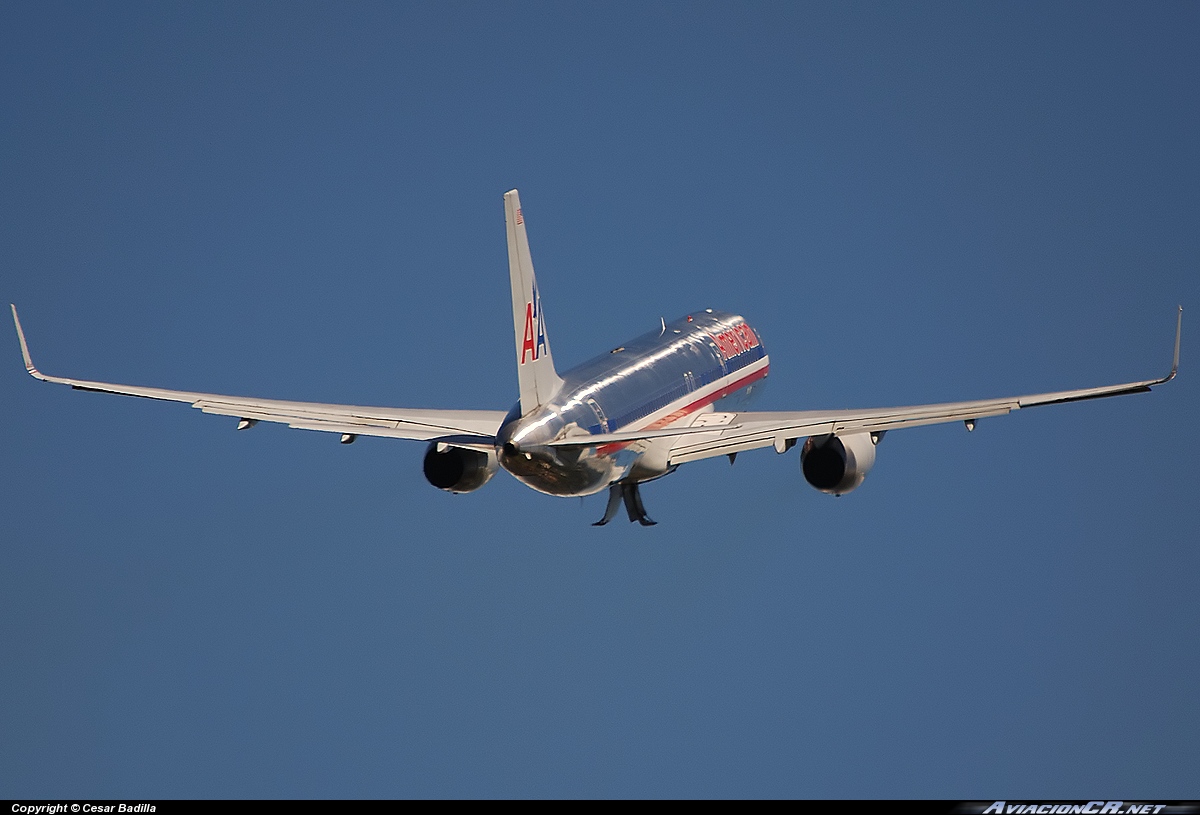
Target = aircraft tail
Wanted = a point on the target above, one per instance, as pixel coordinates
(535, 366)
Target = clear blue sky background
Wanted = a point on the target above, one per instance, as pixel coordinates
(911, 202)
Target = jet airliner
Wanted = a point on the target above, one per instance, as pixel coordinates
(628, 416)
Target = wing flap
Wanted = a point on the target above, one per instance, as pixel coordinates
(755, 430)
(458, 439)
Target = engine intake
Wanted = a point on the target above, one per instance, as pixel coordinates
(458, 469)
(837, 464)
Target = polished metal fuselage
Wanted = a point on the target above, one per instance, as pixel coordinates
(660, 379)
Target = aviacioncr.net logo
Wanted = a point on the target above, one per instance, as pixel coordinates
(1089, 808)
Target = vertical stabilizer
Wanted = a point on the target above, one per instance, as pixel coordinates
(535, 367)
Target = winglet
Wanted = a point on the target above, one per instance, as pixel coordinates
(34, 372)
(1175, 359)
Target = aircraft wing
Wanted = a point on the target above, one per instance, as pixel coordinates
(461, 427)
(734, 432)
(721, 434)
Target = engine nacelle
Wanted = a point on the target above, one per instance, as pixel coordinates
(837, 464)
(458, 469)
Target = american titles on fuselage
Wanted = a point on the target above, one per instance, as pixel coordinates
(736, 340)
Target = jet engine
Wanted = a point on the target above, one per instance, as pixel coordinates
(837, 464)
(458, 469)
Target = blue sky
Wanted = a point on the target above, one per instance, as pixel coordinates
(910, 202)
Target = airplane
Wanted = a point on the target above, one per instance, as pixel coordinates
(628, 416)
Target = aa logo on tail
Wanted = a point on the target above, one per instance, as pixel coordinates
(534, 342)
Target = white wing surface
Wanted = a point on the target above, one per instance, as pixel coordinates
(462, 427)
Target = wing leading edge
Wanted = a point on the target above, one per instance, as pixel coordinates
(462, 427)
